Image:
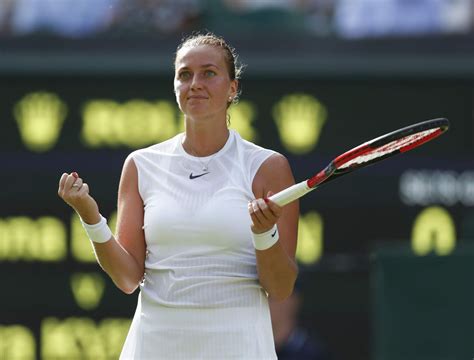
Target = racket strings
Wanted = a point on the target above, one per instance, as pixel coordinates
(388, 148)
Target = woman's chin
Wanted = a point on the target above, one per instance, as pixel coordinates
(197, 111)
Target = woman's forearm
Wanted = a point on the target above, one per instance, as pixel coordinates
(120, 265)
(277, 271)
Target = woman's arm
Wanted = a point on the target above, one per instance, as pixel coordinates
(276, 266)
(123, 256)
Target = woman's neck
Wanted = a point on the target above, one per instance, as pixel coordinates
(201, 141)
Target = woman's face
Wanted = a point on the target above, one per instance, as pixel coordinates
(202, 84)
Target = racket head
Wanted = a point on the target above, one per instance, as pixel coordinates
(378, 149)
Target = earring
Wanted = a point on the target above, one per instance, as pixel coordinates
(230, 99)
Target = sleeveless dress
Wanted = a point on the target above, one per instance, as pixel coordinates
(200, 297)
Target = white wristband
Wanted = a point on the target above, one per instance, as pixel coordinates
(267, 239)
(98, 233)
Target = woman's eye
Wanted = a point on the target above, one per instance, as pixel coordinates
(185, 75)
(209, 73)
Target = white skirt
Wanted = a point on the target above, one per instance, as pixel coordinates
(161, 332)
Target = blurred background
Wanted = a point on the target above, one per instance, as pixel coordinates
(386, 255)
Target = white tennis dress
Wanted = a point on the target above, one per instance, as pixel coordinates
(200, 298)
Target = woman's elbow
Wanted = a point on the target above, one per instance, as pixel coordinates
(128, 290)
(128, 286)
(282, 291)
(281, 295)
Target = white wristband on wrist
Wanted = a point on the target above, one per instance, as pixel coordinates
(267, 239)
(98, 233)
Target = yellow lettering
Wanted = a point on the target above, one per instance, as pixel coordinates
(433, 230)
(114, 332)
(17, 343)
(82, 338)
(81, 248)
(310, 238)
(87, 289)
(135, 124)
(59, 339)
(52, 235)
(98, 117)
(181, 123)
(4, 244)
(22, 238)
(112, 221)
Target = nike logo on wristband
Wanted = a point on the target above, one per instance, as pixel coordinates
(191, 176)
(273, 235)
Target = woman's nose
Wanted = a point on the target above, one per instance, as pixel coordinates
(196, 82)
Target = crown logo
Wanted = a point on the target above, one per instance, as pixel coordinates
(40, 117)
(242, 116)
(299, 119)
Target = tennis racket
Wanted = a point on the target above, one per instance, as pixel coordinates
(368, 153)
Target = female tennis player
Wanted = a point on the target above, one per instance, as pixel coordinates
(196, 231)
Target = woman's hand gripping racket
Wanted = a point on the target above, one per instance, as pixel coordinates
(378, 149)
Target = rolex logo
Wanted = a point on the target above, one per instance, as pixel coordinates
(87, 289)
(299, 119)
(40, 117)
(242, 116)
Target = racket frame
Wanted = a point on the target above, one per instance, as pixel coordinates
(334, 170)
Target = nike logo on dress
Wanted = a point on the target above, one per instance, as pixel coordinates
(273, 235)
(191, 176)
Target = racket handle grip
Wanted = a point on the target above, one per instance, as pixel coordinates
(290, 194)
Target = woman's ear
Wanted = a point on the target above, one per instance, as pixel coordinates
(234, 87)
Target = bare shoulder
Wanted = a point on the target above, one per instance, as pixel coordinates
(129, 164)
(276, 161)
(129, 173)
(130, 212)
(273, 175)
(128, 186)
